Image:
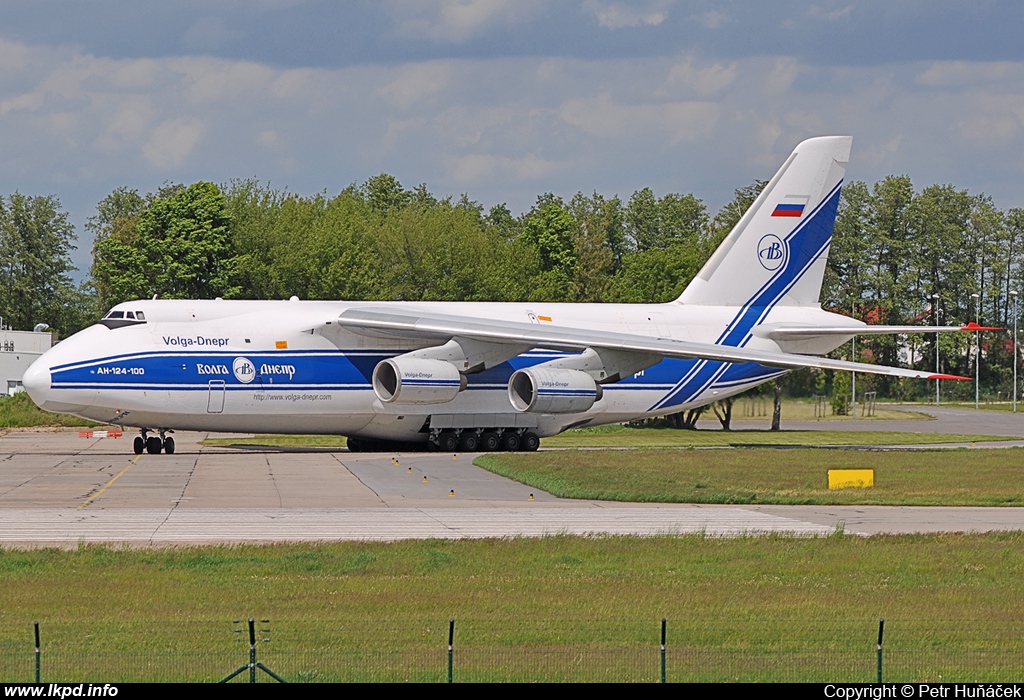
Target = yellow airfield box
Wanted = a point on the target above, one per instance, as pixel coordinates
(851, 478)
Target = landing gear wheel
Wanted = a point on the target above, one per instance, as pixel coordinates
(489, 441)
(355, 445)
(510, 441)
(468, 441)
(530, 442)
(169, 445)
(153, 445)
(140, 445)
(447, 441)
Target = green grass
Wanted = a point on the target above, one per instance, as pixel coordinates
(556, 608)
(1004, 406)
(759, 409)
(18, 411)
(628, 436)
(771, 476)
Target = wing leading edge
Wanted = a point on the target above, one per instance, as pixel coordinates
(441, 327)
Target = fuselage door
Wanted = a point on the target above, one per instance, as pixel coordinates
(216, 401)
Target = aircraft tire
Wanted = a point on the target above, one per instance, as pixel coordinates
(468, 441)
(140, 445)
(447, 441)
(153, 445)
(489, 441)
(354, 444)
(169, 445)
(530, 442)
(510, 441)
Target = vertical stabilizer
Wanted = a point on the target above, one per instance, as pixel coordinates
(776, 254)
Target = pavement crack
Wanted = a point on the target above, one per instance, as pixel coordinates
(270, 471)
(437, 520)
(177, 501)
(365, 485)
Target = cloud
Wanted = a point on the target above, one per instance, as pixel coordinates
(474, 168)
(13, 55)
(208, 34)
(680, 121)
(619, 15)
(217, 80)
(830, 13)
(704, 80)
(712, 19)
(412, 83)
(29, 101)
(458, 20)
(172, 141)
(970, 73)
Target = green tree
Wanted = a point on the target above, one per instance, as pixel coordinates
(180, 247)
(36, 240)
(550, 230)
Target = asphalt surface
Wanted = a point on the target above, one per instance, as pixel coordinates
(59, 489)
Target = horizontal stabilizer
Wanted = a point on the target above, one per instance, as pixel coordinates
(797, 332)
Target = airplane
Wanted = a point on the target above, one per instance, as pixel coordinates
(475, 376)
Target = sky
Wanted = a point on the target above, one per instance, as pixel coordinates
(503, 100)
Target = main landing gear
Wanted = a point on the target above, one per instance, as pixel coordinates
(154, 444)
(467, 440)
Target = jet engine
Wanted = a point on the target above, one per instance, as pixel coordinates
(543, 390)
(413, 380)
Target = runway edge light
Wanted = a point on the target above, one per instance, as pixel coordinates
(850, 478)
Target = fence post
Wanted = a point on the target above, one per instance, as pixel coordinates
(36, 625)
(252, 650)
(881, 626)
(663, 623)
(451, 637)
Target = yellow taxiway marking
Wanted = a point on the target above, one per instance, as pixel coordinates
(97, 494)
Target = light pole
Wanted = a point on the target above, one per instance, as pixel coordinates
(935, 312)
(853, 375)
(1014, 295)
(977, 347)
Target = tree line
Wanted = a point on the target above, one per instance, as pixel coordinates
(899, 256)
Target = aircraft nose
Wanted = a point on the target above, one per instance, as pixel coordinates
(37, 381)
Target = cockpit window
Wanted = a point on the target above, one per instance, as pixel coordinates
(120, 319)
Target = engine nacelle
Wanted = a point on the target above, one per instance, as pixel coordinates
(413, 380)
(540, 390)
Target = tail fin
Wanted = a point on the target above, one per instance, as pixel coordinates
(776, 254)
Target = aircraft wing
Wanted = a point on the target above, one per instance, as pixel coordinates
(442, 327)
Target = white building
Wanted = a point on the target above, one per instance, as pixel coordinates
(18, 350)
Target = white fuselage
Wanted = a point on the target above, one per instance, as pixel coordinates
(279, 366)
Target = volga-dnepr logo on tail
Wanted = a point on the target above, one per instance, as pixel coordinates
(771, 252)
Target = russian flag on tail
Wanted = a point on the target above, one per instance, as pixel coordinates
(788, 210)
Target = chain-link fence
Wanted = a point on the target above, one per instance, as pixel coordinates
(552, 651)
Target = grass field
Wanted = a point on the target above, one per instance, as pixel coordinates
(799, 476)
(759, 410)
(627, 436)
(18, 411)
(557, 608)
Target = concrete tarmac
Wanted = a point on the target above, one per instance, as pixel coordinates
(58, 489)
